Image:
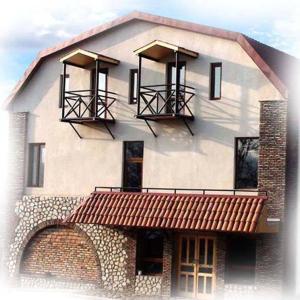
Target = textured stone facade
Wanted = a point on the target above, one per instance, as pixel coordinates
(115, 252)
(148, 285)
(38, 212)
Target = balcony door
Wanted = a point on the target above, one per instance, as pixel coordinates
(196, 267)
(171, 81)
(102, 93)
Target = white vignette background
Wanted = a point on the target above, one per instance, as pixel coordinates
(26, 27)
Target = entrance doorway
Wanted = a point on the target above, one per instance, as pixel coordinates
(196, 267)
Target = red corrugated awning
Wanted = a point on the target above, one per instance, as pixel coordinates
(230, 213)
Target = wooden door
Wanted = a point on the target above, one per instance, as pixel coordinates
(196, 267)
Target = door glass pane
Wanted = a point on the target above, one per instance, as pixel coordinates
(192, 251)
(67, 83)
(183, 249)
(182, 282)
(190, 283)
(102, 81)
(201, 284)
(187, 268)
(202, 251)
(205, 270)
(134, 175)
(208, 285)
(210, 252)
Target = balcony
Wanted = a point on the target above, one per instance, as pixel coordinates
(164, 101)
(168, 101)
(87, 106)
(81, 107)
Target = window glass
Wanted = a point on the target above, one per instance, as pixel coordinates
(133, 166)
(246, 162)
(149, 252)
(215, 80)
(67, 88)
(36, 165)
(240, 260)
(133, 79)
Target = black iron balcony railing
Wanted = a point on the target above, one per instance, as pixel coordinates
(81, 105)
(165, 100)
(181, 190)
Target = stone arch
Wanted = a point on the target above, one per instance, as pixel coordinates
(69, 237)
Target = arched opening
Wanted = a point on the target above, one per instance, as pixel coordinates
(62, 253)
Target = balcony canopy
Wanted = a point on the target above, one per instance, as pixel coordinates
(226, 213)
(157, 50)
(83, 58)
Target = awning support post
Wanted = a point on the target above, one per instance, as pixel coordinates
(96, 87)
(139, 84)
(176, 81)
(63, 90)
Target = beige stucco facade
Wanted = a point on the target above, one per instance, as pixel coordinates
(173, 159)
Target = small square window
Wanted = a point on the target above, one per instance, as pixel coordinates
(36, 165)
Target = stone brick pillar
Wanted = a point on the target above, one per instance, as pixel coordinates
(272, 154)
(167, 267)
(16, 172)
(271, 178)
(130, 248)
(220, 266)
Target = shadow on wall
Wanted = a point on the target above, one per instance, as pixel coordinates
(218, 121)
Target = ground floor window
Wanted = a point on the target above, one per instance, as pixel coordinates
(149, 256)
(240, 260)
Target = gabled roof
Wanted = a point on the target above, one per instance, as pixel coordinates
(226, 213)
(268, 67)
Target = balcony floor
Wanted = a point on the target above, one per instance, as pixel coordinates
(161, 117)
(88, 120)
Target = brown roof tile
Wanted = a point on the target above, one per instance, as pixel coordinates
(171, 211)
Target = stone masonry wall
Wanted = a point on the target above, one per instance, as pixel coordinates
(37, 212)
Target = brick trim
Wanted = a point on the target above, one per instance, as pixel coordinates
(44, 225)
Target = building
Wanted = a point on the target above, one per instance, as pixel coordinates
(179, 180)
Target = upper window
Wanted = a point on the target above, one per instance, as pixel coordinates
(36, 165)
(149, 258)
(133, 166)
(67, 88)
(133, 78)
(246, 164)
(240, 261)
(215, 80)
